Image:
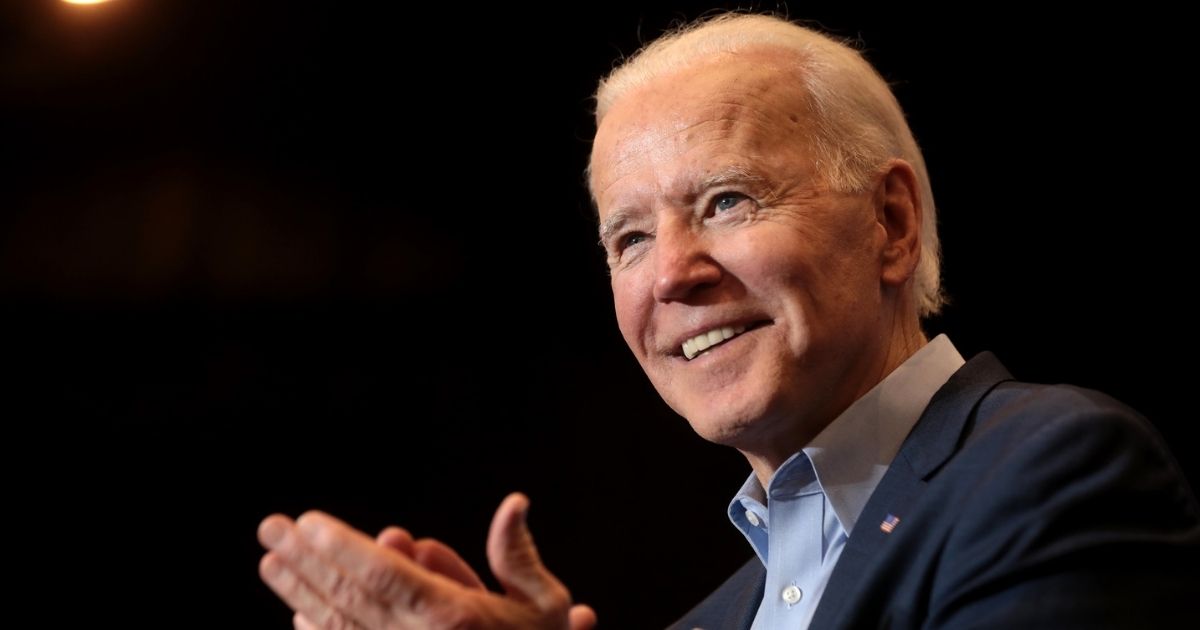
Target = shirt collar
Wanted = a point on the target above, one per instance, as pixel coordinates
(851, 455)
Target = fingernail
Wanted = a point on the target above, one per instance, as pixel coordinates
(523, 514)
(271, 533)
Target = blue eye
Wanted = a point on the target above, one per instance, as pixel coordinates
(727, 201)
(631, 239)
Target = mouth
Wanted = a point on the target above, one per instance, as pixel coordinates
(706, 341)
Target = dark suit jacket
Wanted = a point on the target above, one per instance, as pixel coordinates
(1021, 506)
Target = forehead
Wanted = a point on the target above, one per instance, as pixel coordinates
(723, 112)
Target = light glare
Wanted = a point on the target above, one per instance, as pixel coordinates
(85, 1)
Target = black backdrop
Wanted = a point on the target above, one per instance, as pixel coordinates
(266, 256)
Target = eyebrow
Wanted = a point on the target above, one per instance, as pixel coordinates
(613, 224)
(731, 174)
(734, 173)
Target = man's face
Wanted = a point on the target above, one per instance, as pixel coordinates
(748, 291)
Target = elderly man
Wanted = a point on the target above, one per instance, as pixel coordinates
(770, 231)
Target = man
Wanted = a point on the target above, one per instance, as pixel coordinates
(770, 232)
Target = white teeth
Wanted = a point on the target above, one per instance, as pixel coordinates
(704, 341)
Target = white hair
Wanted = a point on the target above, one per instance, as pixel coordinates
(855, 123)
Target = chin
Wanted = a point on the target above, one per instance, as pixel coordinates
(727, 428)
(746, 417)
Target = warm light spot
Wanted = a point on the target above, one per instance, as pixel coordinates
(85, 1)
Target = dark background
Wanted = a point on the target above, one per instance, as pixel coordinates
(267, 256)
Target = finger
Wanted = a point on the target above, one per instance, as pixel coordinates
(397, 538)
(383, 573)
(581, 617)
(324, 578)
(440, 558)
(515, 562)
(298, 595)
(300, 622)
(271, 528)
(431, 554)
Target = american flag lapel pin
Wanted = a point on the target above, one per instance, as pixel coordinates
(889, 523)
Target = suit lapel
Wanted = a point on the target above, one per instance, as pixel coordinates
(747, 604)
(937, 435)
(733, 605)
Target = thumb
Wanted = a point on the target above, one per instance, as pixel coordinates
(515, 562)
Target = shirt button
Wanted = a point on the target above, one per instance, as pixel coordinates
(791, 594)
(752, 517)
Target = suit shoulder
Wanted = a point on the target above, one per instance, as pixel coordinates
(1028, 413)
(1053, 437)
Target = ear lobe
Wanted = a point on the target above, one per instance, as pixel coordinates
(899, 212)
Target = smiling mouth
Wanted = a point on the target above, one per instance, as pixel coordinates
(705, 341)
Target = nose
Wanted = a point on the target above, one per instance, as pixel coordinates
(683, 264)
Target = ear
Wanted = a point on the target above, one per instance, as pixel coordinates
(899, 211)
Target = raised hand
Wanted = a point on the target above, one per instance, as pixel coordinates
(334, 576)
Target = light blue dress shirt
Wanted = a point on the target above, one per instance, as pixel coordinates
(799, 525)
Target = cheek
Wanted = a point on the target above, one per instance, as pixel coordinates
(632, 306)
(798, 276)
(772, 263)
